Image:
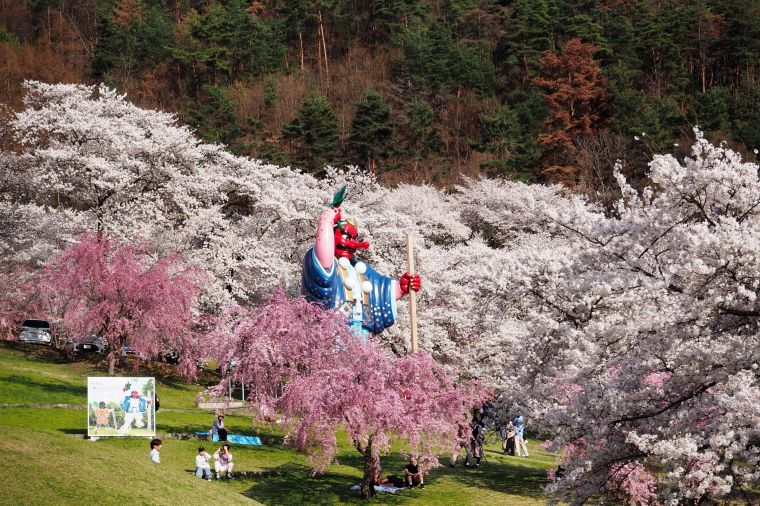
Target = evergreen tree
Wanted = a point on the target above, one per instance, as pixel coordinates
(746, 115)
(434, 61)
(131, 37)
(214, 116)
(531, 32)
(512, 135)
(422, 134)
(315, 132)
(371, 130)
(226, 43)
(712, 110)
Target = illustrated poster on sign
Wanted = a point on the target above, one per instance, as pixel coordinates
(121, 407)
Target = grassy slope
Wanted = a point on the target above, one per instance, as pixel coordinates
(64, 468)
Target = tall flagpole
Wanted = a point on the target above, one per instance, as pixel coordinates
(412, 293)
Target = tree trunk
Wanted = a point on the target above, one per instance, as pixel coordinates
(300, 43)
(370, 465)
(324, 46)
(111, 363)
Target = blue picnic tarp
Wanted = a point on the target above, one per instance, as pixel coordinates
(240, 439)
(237, 439)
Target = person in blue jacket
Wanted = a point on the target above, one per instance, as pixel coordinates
(521, 450)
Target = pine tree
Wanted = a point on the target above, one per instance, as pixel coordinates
(315, 132)
(511, 134)
(531, 33)
(214, 116)
(371, 130)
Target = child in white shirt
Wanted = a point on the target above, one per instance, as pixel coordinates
(202, 467)
(155, 448)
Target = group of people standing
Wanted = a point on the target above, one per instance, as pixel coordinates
(513, 438)
(472, 437)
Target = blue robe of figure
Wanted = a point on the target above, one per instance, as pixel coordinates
(341, 288)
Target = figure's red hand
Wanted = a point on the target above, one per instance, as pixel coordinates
(408, 281)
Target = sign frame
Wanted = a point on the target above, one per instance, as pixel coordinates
(121, 406)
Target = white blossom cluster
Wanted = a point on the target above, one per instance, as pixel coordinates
(630, 335)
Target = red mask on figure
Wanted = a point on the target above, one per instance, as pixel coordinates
(345, 239)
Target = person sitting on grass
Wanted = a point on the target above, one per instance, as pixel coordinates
(413, 474)
(379, 478)
(218, 429)
(155, 448)
(202, 467)
(223, 462)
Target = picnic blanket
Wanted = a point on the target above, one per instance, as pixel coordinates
(237, 439)
(384, 488)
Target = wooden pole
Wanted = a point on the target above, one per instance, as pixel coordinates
(412, 293)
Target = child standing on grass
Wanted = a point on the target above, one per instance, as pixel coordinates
(155, 448)
(202, 467)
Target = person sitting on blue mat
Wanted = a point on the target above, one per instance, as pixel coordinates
(218, 429)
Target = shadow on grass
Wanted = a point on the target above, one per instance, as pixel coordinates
(46, 387)
(502, 476)
(37, 351)
(293, 484)
(74, 432)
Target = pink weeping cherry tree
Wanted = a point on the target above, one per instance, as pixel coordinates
(302, 363)
(121, 293)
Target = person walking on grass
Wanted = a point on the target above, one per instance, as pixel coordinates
(202, 467)
(155, 448)
(477, 438)
(223, 462)
(521, 449)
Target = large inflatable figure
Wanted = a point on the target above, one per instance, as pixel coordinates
(334, 277)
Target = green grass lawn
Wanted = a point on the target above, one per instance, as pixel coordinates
(57, 465)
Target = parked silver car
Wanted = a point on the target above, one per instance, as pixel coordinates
(93, 344)
(36, 331)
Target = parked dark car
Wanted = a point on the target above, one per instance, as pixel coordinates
(93, 344)
(37, 332)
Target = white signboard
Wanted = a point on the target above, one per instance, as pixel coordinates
(119, 407)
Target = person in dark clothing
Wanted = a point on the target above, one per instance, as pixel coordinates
(413, 474)
(508, 439)
(218, 429)
(476, 442)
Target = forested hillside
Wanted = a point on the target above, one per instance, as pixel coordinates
(547, 90)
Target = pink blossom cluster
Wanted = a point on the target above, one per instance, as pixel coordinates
(304, 364)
